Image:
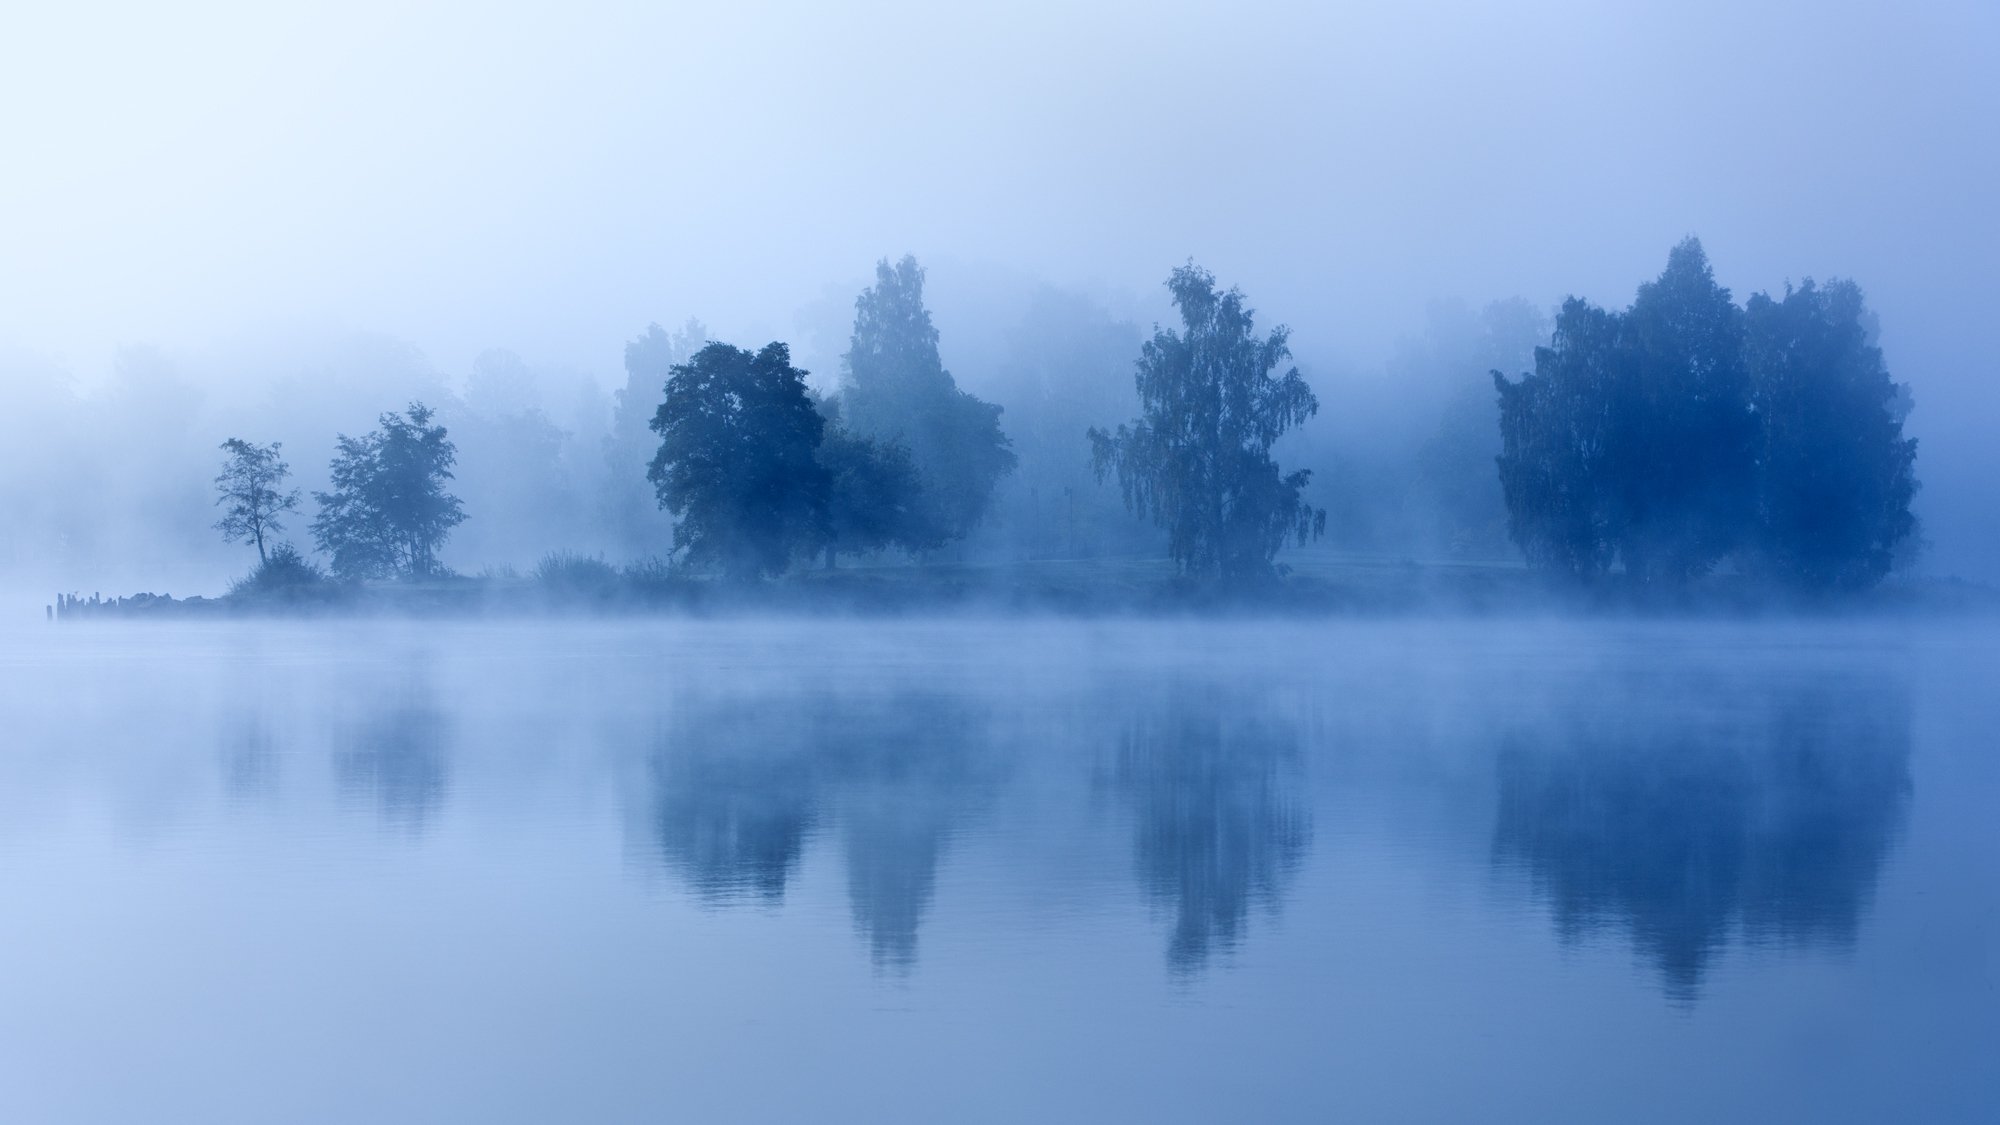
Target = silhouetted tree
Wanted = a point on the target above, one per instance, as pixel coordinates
(1835, 473)
(1198, 460)
(874, 494)
(895, 388)
(388, 512)
(1635, 437)
(738, 462)
(1556, 436)
(630, 504)
(252, 485)
(1683, 458)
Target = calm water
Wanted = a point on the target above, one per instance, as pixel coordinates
(1008, 872)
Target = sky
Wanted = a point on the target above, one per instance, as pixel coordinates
(550, 178)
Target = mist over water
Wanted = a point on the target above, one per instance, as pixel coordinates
(750, 870)
(1379, 561)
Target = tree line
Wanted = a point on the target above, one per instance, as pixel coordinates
(1658, 442)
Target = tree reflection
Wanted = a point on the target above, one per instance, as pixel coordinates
(911, 768)
(1221, 826)
(734, 796)
(396, 757)
(1686, 814)
(738, 788)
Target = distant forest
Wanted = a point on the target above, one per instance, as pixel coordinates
(1647, 447)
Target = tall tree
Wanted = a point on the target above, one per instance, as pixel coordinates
(630, 506)
(1635, 438)
(388, 512)
(1684, 453)
(1198, 459)
(1835, 473)
(895, 388)
(252, 486)
(1556, 440)
(737, 461)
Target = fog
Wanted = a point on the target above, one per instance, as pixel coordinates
(228, 220)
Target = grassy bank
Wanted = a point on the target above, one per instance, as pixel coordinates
(1318, 584)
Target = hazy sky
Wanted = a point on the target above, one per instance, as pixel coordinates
(550, 178)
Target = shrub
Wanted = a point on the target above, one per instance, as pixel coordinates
(285, 573)
(574, 575)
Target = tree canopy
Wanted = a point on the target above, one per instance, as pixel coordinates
(1685, 430)
(251, 485)
(895, 388)
(874, 494)
(388, 511)
(1198, 459)
(737, 461)
(1836, 473)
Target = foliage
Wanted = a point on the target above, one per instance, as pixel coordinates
(1555, 428)
(283, 573)
(1836, 473)
(251, 484)
(1197, 462)
(388, 512)
(629, 504)
(874, 495)
(1669, 436)
(567, 572)
(896, 389)
(1683, 455)
(737, 459)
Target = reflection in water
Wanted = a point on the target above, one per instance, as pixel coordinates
(733, 799)
(1213, 780)
(249, 758)
(1765, 810)
(397, 757)
(738, 788)
(910, 768)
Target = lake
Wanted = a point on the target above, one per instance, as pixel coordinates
(936, 871)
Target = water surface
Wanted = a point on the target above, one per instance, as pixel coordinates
(927, 871)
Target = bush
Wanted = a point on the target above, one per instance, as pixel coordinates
(574, 575)
(284, 573)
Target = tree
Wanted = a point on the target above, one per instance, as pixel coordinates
(738, 462)
(1683, 457)
(1634, 439)
(630, 505)
(1555, 437)
(895, 388)
(1835, 473)
(251, 484)
(1198, 460)
(388, 512)
(874, 496)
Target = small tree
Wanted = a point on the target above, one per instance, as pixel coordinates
(737, 459)
(251, 485)
(1197, 462)
(389, 512)
(1835, 473)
